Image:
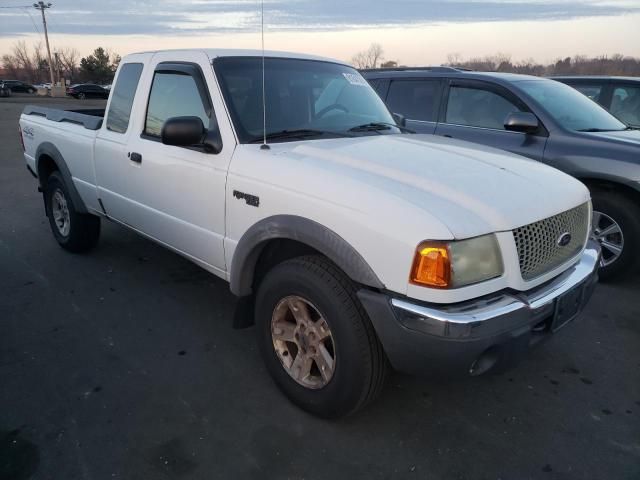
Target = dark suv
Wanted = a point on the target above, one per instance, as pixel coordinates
(541, 119)
(619, 95)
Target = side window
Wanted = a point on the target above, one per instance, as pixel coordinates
(625, 104)
(591, 91)
(415, 99)
(477, 107)
(122, 98)
(173, 94)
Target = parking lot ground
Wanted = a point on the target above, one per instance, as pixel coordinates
(122, 363)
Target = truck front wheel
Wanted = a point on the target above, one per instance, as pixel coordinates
(316, 339)
(74, 231)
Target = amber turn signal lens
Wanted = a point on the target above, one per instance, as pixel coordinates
(431, 266)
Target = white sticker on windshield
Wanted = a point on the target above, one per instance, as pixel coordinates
(355, 79)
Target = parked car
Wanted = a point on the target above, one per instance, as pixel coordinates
(4, 90)
(619, 95)
(348, 243)
(540, 119)
(87, 90)
(17, 86)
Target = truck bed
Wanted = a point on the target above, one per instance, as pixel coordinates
(89, 118)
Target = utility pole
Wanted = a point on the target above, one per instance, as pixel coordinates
(42, 7)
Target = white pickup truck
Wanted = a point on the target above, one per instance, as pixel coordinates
(351, 244)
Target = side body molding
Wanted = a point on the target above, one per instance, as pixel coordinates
(303, 230)
(49, 149)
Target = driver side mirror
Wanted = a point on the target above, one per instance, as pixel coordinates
(399, 119)
(183, 131)
(523, 122)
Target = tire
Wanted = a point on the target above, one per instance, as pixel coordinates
(81, 96)
(74, 231)
(31, 90)
(626, 213)
(360, 365)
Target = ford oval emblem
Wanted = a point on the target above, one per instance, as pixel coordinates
(564, 239)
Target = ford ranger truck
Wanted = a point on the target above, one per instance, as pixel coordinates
(352, 246)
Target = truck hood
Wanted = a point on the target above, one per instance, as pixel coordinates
(470, 189)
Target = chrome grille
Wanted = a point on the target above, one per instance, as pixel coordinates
(537, 243)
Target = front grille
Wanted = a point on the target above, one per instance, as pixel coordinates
(537, 243)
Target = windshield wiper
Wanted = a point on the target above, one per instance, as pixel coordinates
(298, 133)
(377, 126)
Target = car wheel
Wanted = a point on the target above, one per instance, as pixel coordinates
(81, 96)
(616, 227)
(31, 90)
(74, 231)
(316, 339)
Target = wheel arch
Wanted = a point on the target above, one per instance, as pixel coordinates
(612, 185)
(48, 160)
(297, 236)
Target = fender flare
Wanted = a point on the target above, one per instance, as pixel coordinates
(303, 230)
(49, 149)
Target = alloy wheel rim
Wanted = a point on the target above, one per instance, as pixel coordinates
(608, 233)
(303, 342)
(60, 211)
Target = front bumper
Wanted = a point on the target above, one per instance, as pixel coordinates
(490, 333)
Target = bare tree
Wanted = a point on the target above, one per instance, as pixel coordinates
(69, 59)
(369, 58)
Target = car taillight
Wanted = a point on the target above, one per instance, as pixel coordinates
(21, 138)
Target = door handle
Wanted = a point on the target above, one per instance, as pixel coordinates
(135, 157)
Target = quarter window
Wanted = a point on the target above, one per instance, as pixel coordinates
(173, 94)
(122, 98)
(478, 108)
(415, 99)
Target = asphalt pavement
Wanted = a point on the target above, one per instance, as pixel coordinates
(122, 363)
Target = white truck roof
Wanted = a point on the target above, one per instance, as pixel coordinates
(238, 52)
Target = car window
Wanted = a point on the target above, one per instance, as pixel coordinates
(478, 107)
(415, 99)
(591, 91)
(122, 98)
(625, 104)
(173, 94)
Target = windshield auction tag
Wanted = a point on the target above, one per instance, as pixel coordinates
(355, 79)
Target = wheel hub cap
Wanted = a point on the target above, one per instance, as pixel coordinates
(60, 212)
(303, 342)
(608, 233)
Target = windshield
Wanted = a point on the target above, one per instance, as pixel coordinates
(301, 96)
(570, 108)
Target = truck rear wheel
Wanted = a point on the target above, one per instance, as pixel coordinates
(316, 339)
(616, 226)
(74, 231)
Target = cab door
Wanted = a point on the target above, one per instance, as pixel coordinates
(476, 111)
(176, 195)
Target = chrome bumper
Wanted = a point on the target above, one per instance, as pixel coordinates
(535, 309)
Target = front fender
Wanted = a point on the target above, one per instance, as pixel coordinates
(303, 230)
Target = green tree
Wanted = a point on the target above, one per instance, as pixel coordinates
(99, 67)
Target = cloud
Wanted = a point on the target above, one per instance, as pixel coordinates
(191, 17)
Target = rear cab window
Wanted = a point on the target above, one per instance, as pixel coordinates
(122, 97)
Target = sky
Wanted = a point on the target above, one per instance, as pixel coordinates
(412, 32)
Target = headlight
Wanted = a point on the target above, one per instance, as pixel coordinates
(457, 263)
